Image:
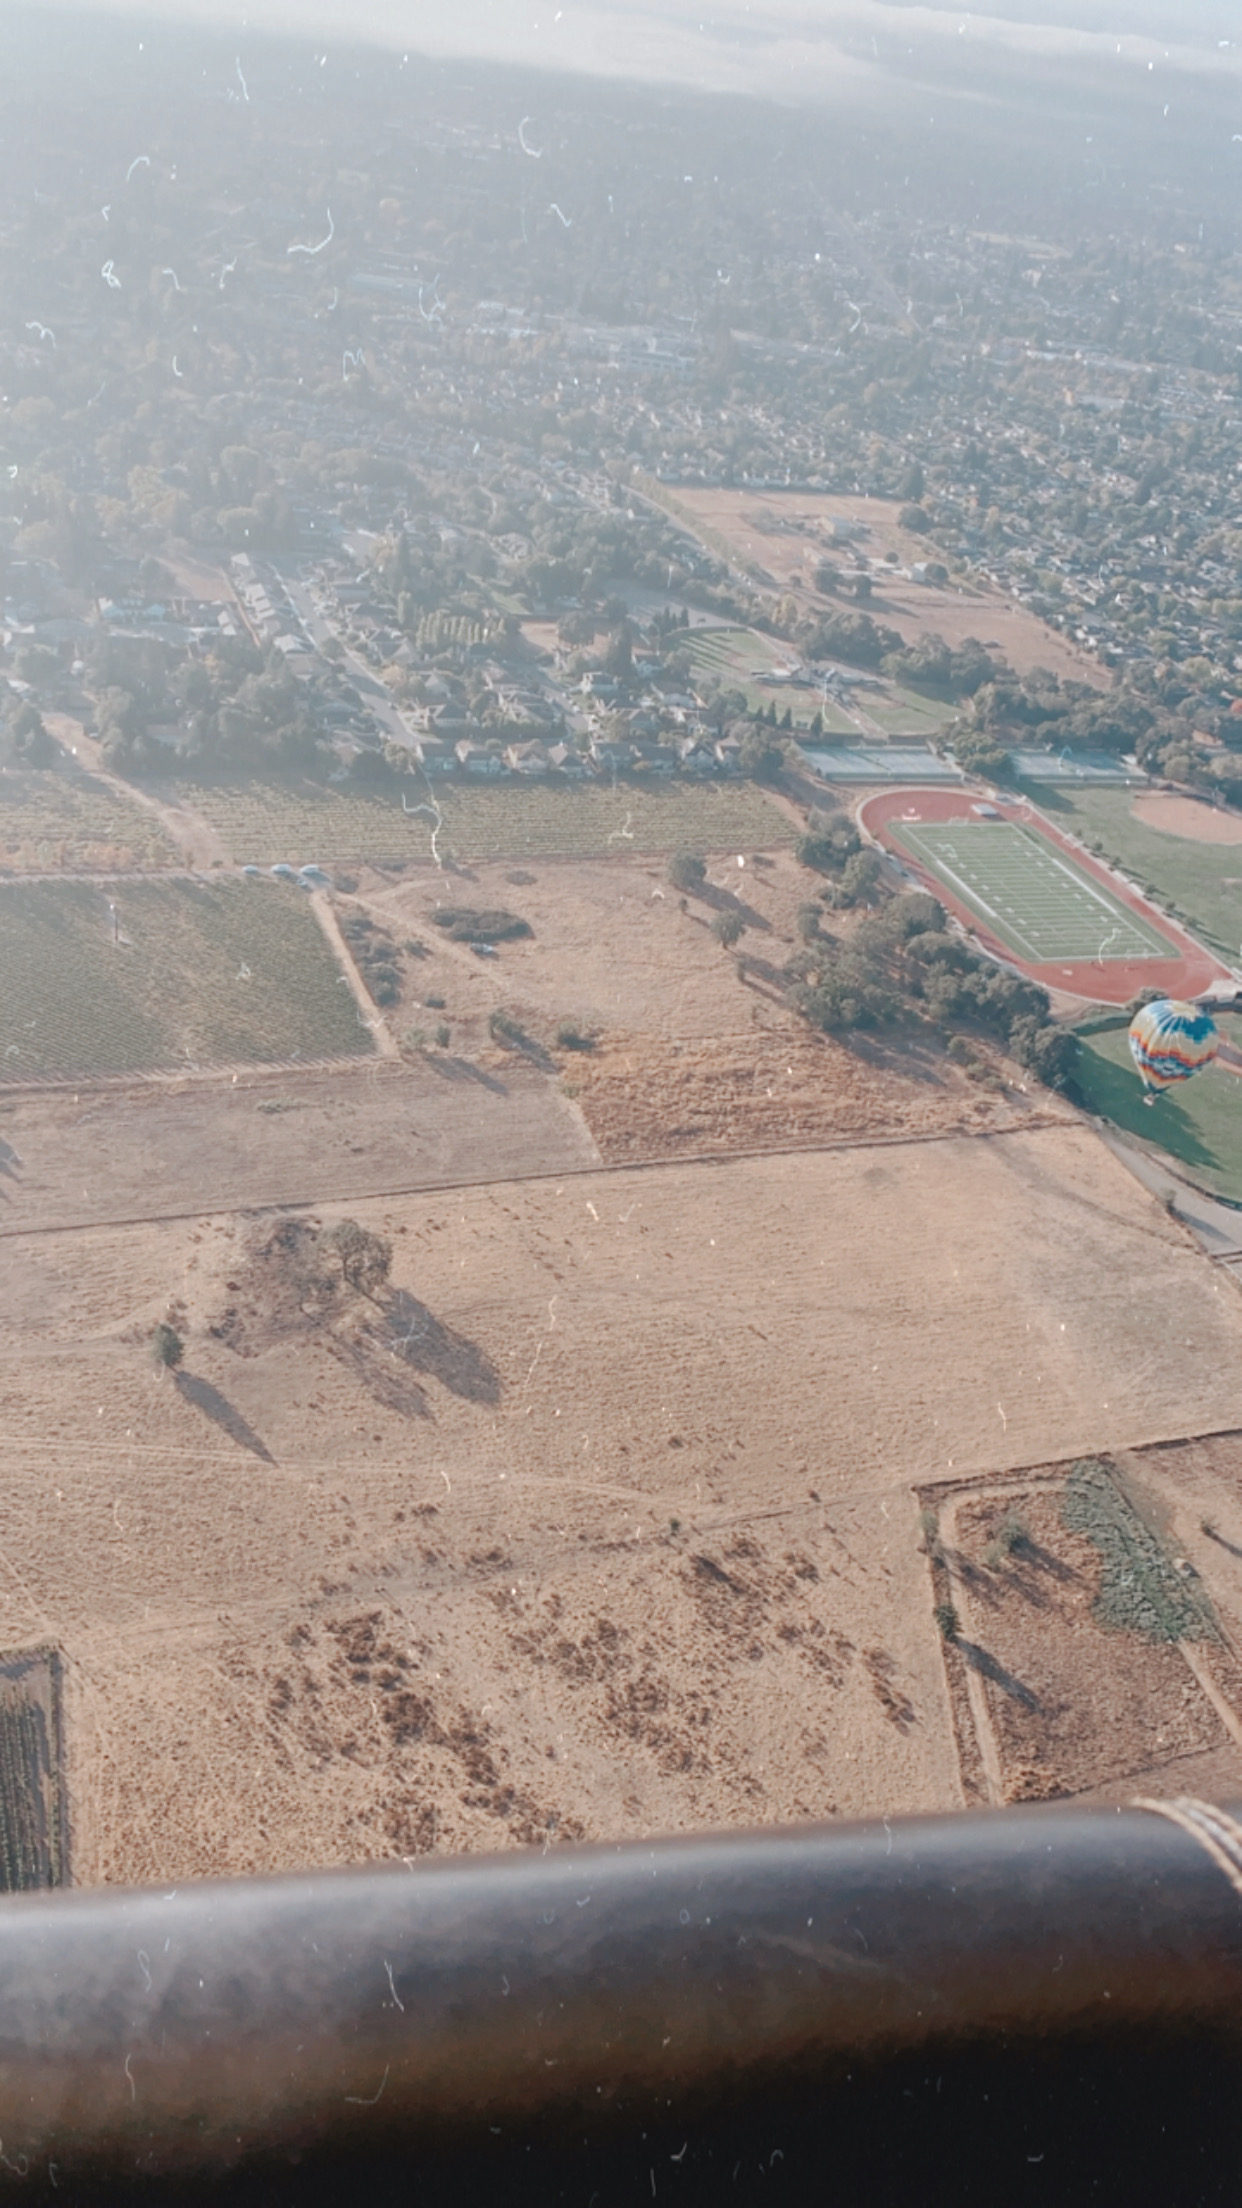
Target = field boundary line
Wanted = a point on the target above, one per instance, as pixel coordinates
(180, 1077)
(716, 1158)
(976, 1692)
(368, 1010)
(975, 1484)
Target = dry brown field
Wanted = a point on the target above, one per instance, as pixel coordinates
(690, 1058)
(787, 534)
(644, 1098)
(1194, 820)
(601, 1519)
(171, 1148)
(202, 579)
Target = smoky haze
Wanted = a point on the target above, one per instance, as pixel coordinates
(801, 50)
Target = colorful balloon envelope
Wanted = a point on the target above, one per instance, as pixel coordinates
(1170, 1041)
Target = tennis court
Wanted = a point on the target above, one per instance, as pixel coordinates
(1034, 899)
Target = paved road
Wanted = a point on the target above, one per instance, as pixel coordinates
(1216, 1227)
(319, 629)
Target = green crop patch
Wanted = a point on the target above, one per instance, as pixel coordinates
(1029, 894)
(1141, 1588)
(152, 975)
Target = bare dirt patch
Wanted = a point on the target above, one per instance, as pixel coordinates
(201, 579)
(469, 1560)
(190, 836)
(1186, 817)
(278, 1139)
(788, 533)
(609, 947)
(1072, 1704)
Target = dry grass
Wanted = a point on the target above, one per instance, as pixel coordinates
(419, 1568)
(787, 534)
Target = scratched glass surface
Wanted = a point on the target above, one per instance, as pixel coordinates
(620, 668)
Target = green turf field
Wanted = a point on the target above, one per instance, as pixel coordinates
(1198, 1122)
(1040, 905)
(1204, 880)
(905, 712)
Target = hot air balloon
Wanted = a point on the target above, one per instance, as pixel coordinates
(1171, 1041)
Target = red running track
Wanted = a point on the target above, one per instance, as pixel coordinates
(1187, 971)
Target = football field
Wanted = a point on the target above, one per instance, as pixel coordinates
(1032, 896)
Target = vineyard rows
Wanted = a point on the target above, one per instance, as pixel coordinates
(32, 1835)
(53, 823)
(262, 823)
(439, 629)
(163, 974)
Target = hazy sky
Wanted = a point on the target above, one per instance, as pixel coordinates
(800, 49)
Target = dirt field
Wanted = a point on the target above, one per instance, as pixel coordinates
(268, 1139)
(600, 1520)
(1050, 1699)
(690, 1058)
(787, 534)
(1188, 818)
(201, 579)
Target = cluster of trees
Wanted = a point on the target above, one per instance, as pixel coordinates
(833, 846)
(233, 708)
(1043, 707)
(901, 963)
(942, 670)
(850, 636)
(24, 741)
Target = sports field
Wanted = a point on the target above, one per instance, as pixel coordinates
(1036, 901)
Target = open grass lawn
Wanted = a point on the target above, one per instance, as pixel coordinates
(835, 722)
(1199, 1122)
(907, 712)
(200, 973)
(53, 822)
(262, 823)
(1203, 880)
(1028, 893)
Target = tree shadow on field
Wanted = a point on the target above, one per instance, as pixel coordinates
(727, 900)
(221, 1412)
(376, 1363)
(988, 1667)
(425, 1343)
(897, 1052)
(528, 1047)
(461, 1069)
